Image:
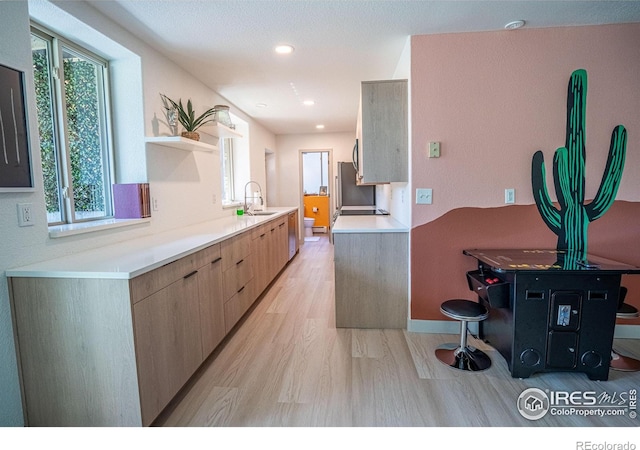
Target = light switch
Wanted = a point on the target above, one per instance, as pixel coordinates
(424, 196)
(509, 196)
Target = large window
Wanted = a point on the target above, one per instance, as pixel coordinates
(73, 123)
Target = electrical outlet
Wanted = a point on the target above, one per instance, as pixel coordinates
(434, 149)
(25, 215)
(154, 203)
(509, 196)
(214, 199)
(424, 196)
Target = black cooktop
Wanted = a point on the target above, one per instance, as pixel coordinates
(363, 212)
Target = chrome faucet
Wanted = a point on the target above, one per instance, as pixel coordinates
(246, 209)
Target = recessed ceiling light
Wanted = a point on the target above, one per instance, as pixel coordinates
(284, 49)
(308, 103)
(514, 25)
(320, 127)
(261, 105)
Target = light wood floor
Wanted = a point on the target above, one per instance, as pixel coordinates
(287, 365)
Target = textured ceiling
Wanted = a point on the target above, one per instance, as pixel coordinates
(228, 45)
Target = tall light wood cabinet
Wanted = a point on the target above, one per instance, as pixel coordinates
(383, 132)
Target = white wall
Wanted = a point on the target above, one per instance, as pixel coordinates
(185, 183)
(16, 241)
(288, 161)
(394, 197)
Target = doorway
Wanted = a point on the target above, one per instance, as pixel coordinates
(316, 190)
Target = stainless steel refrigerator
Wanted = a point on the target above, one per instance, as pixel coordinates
(350, 194)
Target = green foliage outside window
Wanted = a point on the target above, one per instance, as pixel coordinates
(83, 127)
(83, 122)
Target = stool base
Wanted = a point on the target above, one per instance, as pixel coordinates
(468, 358)
(623, 363)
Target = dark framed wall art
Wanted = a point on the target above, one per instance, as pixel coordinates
(15, 158)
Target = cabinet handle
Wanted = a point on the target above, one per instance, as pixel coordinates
(190, 274)
(241, 289)
(281, 225)
(239, 262)
(262, 235)
(216, 260)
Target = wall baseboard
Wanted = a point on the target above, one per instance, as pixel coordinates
(438, 326)
(450, 327)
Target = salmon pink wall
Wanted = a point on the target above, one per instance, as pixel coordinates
(493, 99)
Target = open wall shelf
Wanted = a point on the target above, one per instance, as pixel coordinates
(181, 143)
(222, 131)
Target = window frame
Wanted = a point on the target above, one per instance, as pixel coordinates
(227, 144)
(57, 45)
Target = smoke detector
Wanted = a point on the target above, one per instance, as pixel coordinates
(514, 25)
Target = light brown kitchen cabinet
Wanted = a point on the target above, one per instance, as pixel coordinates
(74, 339)
(211, 298)
(371, 280)
(279, 245)
(168, 345)
(261, 237)
(292, 233)
(270, 251)
(237, 273)
(382, 132)
(282, 243)
(167, 303)
(114, 352)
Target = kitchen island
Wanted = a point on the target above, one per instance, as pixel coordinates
(371, 272)
(109, 336)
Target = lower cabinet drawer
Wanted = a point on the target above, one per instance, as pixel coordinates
(234, 249)
(151, 282)
(236, 277)
(238, 305)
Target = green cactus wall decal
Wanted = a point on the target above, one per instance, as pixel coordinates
(570, 220)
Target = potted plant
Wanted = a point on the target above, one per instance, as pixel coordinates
(187, 116)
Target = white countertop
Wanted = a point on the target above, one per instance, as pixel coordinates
(131, 258)
(368, 224)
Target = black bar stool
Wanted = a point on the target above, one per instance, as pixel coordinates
(463, 356)
(618, 361)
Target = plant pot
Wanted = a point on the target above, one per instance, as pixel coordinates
(194, 135)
